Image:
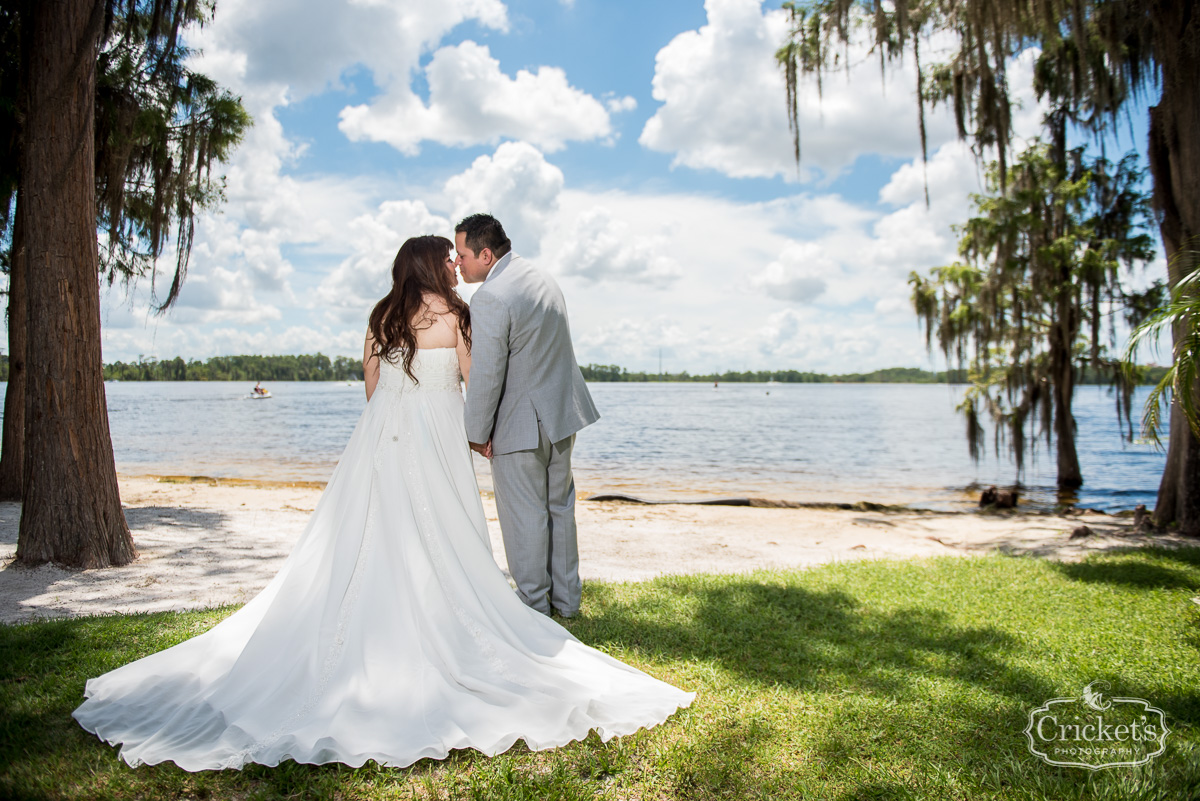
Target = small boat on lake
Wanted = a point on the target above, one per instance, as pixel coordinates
(259, 392)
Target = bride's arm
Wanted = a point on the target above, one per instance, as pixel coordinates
(464, 354)
(464, 367)
(370, 365)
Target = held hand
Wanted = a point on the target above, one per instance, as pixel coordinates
(483, 450)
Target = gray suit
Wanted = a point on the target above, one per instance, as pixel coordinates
(528, 397)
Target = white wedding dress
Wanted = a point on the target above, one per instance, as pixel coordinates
(389, 633)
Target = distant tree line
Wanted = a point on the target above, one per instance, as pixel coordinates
(320, 367)
(317, 367)
(891, 375)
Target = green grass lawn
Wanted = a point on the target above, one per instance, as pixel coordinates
(866, 680)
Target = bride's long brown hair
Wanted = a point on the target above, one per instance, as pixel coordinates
(418, 270)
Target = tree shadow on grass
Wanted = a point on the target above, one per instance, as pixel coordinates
(44, 667)
(717, 763)
(875, 663)
(37, 677)
(911, 683)
(1184, 555)
(821, 641)
(1138, 575)
(1170, 569)
(1155, 568)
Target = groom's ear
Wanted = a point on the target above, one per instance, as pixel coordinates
(489, 258)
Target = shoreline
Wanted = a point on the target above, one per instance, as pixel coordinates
(674, 495)
(207, 542)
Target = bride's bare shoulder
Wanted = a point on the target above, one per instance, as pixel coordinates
(437, 307)
(437, 323)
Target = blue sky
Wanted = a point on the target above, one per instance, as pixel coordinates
(637, 151)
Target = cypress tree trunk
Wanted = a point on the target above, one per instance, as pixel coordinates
(1070, 476)
(1175, 165)
(1066, 328)
(12, 453)
(71, 511)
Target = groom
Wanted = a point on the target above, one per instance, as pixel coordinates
(525, 401)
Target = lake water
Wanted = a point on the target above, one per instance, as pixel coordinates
(893, 443)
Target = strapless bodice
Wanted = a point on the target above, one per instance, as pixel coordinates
(436, 369)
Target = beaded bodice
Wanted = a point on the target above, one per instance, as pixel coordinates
(436, 369)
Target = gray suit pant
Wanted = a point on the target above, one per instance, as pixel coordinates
(535, 501)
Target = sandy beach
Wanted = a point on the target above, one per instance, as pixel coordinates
(205, 543)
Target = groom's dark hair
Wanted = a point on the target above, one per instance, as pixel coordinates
(484, 231)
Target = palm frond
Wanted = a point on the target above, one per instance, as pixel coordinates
(1181, 318)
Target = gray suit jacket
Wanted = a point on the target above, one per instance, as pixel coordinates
(523, 367)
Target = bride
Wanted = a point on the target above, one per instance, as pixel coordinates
(389, 633)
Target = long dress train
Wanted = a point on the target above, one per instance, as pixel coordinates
(388, 634)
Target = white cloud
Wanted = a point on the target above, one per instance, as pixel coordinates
(780, 334)
(637, 343)
(950, 175)
(803, 339)
(306, 46)
(349, 292)
(266, 213)
(272, 52)
(221, 295)
(291, 339)
(619, 104)
(472, 102)
(729, 308)
(808, 281)
(799, 275)
(833, 343)
(843, 255)
(160, 339)
(893, 307)
(723, 102)
(515, 184)
(291, 49)
(915, 234)
(812, 282)
(600, 247)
